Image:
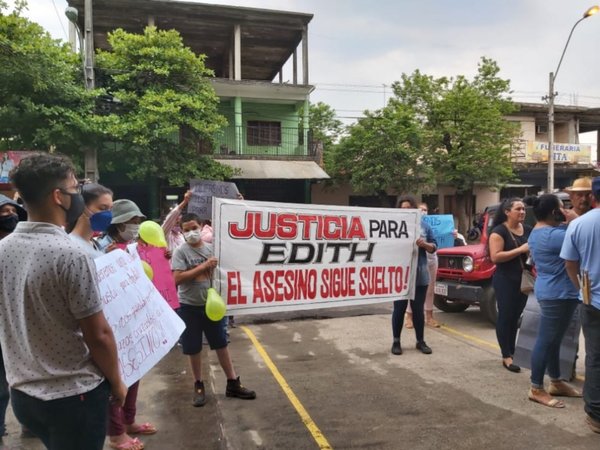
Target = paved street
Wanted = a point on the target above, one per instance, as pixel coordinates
(337, 369)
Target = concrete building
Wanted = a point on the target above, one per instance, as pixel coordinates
(268, 135)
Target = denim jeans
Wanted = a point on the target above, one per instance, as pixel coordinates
(511, 302)
(4, 396)
(417, 311)
(555, 318)
(590, 323)
(71, 423)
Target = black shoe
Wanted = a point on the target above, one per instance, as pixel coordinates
(512, 367)
(396, 348)
(424, 348)
(235, 389)
(199, 394)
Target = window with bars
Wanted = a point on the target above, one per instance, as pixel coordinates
(263, 133)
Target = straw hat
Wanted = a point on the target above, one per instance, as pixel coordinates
(580, 185)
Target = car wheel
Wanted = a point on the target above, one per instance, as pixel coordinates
(488, 305)
(448, 305)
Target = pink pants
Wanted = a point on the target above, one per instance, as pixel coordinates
(119, 418)
(432, 266)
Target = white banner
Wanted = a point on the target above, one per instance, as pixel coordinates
(281, 257)
(144, 325)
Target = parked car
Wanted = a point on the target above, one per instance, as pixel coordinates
(464, 276)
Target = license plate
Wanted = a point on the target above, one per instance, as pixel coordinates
(441, 289)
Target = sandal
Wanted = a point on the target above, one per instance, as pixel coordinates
(144, 428)
(562, 389)
(131, 444)
(552, 403)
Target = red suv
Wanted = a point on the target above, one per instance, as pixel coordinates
(464, 275)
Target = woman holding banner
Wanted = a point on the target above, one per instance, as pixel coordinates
(426, 244)
(123, 230)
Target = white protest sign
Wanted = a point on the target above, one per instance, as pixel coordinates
(144, 325)
(281, 257)
(203, 192)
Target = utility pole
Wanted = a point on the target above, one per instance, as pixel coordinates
(551, 95)
(90, 154)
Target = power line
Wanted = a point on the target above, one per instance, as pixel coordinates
(60, 20)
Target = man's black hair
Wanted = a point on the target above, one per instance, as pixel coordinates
(37, 175)
(188, 217)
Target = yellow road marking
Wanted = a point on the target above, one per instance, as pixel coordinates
(484, 342)
(470, 338)
(306, 419)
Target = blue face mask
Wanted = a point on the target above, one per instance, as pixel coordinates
(101, 221)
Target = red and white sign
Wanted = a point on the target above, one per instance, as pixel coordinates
(277, 257)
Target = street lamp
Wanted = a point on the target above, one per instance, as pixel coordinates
(72, 14)
(551, 95)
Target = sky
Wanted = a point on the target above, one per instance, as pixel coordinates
(358, 48)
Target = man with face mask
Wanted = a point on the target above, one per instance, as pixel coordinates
(61, 357)
(10, 214)
(192, 264)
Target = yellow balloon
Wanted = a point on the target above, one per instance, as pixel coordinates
(148, 270)
(152, 233)
(215, 306)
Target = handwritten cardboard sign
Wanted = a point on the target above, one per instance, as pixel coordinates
(442, 226)
(144, 325)
(203, 192)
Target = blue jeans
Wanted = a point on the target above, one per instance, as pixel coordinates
(590, 323)
(71, 423)
(4, 396)
(511, 302)
(417, 311)
(555, 318)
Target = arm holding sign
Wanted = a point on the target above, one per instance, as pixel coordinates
(428, 243)
(182, 274)
(99, 338)
(171, 220)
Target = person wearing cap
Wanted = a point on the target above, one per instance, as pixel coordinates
(581, 195)
(11, 213)
(581, 250)
(123, 230)
(124, 226)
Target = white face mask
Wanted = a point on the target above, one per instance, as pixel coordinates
(192, 237)
(130, 233)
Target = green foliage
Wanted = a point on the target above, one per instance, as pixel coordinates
(165, 111)
(43, 102)
(383, 151)
(324, 125)
(465, 123)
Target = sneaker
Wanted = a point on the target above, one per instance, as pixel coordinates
(424, 348)
(593, 424)
(396, 348)
(235, 389)
(199, 394)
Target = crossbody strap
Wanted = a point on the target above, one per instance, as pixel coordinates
(516, 245)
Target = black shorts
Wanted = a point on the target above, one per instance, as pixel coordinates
(197, 323)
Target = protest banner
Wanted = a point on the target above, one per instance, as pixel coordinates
(281, 257)
(163, 277)
(443, 228)
(528, 332)
(203, 192)
(144, 325)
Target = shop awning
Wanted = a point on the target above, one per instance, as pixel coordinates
(276, 169)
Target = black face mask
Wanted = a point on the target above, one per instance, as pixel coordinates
(8, 223)
(75, 210)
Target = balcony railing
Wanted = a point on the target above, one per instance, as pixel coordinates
(265, 142)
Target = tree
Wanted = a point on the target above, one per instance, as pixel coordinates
(383, 151)
(464, 121)
(164, 111)
(43, 102)
(324, 125)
